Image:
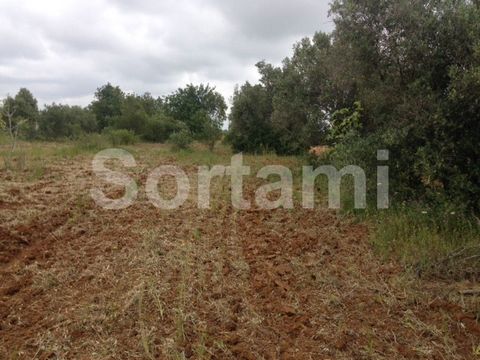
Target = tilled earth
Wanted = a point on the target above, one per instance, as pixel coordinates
(79, 282)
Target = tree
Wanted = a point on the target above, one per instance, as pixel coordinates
(198, 107)
(250, 126)
(133, 115)
(293, 115)
(401, 75)
(151, 105)
(63, 121)
(12, 122)
(298, 117)
(412, 66)
(210, 132)
(27, 108)
(107, 104)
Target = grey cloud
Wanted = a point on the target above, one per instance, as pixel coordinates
(274, 19)
(64, 49)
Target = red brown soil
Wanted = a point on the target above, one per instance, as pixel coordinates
(78, 282)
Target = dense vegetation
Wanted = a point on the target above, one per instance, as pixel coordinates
(192, 113)
(398, 75)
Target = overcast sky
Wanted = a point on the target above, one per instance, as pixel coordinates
(62, 50)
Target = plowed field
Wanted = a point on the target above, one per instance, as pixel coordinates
(80, 282)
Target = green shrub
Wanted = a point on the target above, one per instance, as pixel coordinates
(159, 128)
(181, 139)
(121, 137)
(358, 151)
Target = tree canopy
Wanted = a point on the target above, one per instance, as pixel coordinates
(197, 110)
(400, 75)
(200, 108)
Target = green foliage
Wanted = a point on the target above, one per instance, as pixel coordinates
(297, 119)
(416, 100)
(200, 108)
(159, 128)
(459, 167)
(26, 103)
(250, 128)
(107, 104)
(8, 105)
(23, 110)
(432, 236)
(397, 75)
(285, 106)
(119, 137)
(210, 131)
(133, 115)
(26, 107)
(151, 105)
(64, 121)
(345, 122)
(181, 139)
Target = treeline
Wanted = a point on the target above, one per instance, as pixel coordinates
(398, 75)
(190, 113)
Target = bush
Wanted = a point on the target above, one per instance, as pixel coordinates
(358, 151)
(181, 139)
(159, 128)
(121, 137)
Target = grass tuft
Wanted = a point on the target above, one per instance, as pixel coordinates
(443, 245)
